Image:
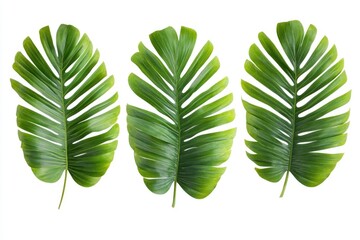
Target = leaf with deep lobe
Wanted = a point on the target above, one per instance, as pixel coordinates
(71, 124)
(292, 137)
(172, 145)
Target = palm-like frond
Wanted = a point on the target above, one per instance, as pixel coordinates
(173, 145)
(67, 128)
(292, 136)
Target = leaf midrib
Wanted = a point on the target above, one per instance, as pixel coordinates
(64, 123)
(293, 124)
(178, 125)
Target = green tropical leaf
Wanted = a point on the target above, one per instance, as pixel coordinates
(68, 126)
(175, 145)
(294, 133)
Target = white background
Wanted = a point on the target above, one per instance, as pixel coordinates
(243, 206)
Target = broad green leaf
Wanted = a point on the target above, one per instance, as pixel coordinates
(70, 123)
(172, 144)
(302, 92)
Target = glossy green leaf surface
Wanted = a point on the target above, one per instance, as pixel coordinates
(172, 144)
(303, 83)
(70, 123)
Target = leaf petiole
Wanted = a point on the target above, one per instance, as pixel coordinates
(174, 196)
(285, 183)
(63, 191)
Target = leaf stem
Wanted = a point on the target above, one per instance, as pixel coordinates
(285, 183)
(293, 123)
(63, 108)
(63, 191)
(178, 123)
(174, 195)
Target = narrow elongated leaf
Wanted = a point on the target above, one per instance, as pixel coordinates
(293, 135)
(173, 145)
(69, 126)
